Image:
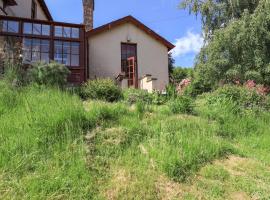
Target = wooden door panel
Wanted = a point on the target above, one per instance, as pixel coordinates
(131, 72)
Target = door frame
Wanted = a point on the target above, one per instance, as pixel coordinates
(136, 61)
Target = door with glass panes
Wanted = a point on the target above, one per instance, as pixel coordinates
(129, 63)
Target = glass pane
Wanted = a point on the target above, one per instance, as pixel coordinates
(66, 59)
(5, 24)
(35, 56)
(58, 57)
(27, 28)
(27, 44)
(58, 31)
(26, 56)
(58, 47)
(45, 57)
(37, 29)
(45, 46)
(66, 48)
(67, 32)
(46, 30)
(36, 45)
(75, 33)
(13, 27)
(75, 60)
(75, 48)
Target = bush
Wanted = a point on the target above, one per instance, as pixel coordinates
(52, 74)
(182, 105)
(240, 96)
(133, 96)
(101, 89)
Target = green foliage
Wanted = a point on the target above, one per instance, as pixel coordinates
(53, 146)
(14, 74)
(133, 96)
(171, 63)
(240, 51)
(101, 89)
(42, 149)
(182, 105)
(178, 74)
(218, 13)
(52, 74)
(240, 96)
(171, 91)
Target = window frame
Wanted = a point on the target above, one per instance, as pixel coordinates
(78, 73)
(69, 54)
(135, 46)
(40, 51)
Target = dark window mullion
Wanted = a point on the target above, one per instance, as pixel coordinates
(31, 49)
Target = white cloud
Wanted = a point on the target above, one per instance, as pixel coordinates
(191, 43)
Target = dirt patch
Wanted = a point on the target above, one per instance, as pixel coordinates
(120, 181)
(239, 196)
(234, 165)
(168, 189)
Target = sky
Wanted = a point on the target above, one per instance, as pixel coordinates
(162, 16)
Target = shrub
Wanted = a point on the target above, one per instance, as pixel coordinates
(52, 74)
(182, 105)
(241, 96)
(101, 89)
(158, 98)
(133, 96)
(171, 91)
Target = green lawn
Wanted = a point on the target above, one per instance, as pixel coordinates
(54, 146)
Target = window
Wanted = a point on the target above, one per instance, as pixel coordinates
(66, 32)
(127, 51)
(36, 29)
(75, 33)
(34, 10)
(67, 53)
(9, 26)
(36, 50)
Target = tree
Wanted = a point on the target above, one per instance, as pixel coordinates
(239, 52)
(180, 73)
(171, 63)
(218, 13)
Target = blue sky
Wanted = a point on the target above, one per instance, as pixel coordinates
(163, 16)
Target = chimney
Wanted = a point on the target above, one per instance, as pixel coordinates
(88, 14)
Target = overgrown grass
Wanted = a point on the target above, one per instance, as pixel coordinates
(54, 146)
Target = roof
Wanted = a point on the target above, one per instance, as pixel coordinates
(41, 2)
(131, 19)
(45, 9)
(10, 2)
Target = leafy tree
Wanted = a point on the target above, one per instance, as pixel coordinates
(171, 63)
(239, 52)
(218, 13)
(180, 73)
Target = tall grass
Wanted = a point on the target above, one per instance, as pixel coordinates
(42, 150)
(54, 146)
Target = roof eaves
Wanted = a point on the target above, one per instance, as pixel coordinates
(131, 19)
(45, 9)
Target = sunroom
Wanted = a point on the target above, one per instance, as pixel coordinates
(46, 41)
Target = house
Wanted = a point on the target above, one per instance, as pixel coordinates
(125, 50)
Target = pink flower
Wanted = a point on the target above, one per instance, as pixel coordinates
(250, 84)
(182, 85)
